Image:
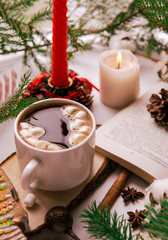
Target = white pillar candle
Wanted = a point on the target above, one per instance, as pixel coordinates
(119, 82)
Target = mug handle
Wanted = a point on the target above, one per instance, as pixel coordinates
(27, 174)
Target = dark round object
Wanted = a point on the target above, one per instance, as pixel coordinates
(58, 219)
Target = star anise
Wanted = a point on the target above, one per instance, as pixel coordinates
(136, 218)
(131, 194)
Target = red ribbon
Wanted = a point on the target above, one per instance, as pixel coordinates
(69, 96)
(74, 95)
(39, 79)
(73, 75)
(51, 95)
(89, 83)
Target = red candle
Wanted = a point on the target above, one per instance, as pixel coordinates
(59, 44)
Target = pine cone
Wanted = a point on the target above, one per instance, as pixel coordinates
(37, 91)
(85, 99)
(158, 107)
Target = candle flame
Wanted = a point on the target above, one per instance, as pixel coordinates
(119, 59)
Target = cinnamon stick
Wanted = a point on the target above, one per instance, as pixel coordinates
(114, 191)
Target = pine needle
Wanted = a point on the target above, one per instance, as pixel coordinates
(101, 224)
(157, 223)
(16, 103)
(18, 31)
(155, 11)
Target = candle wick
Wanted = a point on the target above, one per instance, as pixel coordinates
(118, 65)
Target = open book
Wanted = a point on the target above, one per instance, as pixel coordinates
(134, 140)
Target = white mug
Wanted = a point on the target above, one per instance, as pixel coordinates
(54, 170)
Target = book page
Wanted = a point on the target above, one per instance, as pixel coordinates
(134, 140)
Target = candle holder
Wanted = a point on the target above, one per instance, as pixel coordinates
(52, 86)
(79, 89)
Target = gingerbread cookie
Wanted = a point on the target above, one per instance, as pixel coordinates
(13, 219)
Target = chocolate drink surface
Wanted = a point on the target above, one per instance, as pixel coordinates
(55, 124)
(56, 128)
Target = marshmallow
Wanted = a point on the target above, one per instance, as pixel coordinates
(37, 132)
(52, 146)
(30, 200)
(80, 114)
(77, 138)
(31, 141)
(77, 123)
(25, 133)
(25, 125)
(70, 109)
(41, 144)
(31, 134)
(84, 129)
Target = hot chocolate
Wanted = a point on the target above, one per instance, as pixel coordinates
(56, 128)
(59, 161)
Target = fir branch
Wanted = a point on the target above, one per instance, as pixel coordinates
(20, 32)
(155, 11)
(25, 80)
(42, 15)
(20, 4)
(101, 224)
(36, 61)
(16, 103)
(103, 13)
(73, 35)
(147, 42)
(7, 19)
(76, 44)
(123, 18)
(158, 220)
